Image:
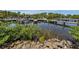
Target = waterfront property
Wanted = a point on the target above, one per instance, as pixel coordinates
(40, 30)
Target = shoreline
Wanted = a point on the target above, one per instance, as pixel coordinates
(48, 44)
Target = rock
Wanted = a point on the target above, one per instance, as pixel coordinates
(19, 46)
(24, 46)
(37, 46)
(27, 46)
(48, 44)
(17, 42)
(65, 47)
(41, 45)
(32, 44)
(69, 43)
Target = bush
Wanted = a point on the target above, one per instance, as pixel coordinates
(10, 31)
(75, 32)
(19, 31)
(42, 39)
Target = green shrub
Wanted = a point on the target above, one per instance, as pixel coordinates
(4, 39)
(75, 32)
(42, 39)
(10, 33)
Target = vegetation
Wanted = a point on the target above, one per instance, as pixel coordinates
(8, 14)
(10, 31)
(75, 32)
(42, 39)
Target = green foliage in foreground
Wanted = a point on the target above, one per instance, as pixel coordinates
(11, 32)
(42, 39)
(75, 32)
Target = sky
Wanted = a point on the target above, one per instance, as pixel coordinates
(48, 11)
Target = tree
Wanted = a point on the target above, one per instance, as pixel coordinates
(68, 16)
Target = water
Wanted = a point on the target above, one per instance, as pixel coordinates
(59, 30)
(12, 25)
(71, 24)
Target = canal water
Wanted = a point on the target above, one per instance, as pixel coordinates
(59, 30)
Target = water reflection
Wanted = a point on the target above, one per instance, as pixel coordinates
(59, 30)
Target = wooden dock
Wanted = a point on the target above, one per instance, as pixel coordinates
(61, 21)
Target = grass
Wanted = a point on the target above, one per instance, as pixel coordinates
(75, 32)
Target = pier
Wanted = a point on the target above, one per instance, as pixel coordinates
(60, 21)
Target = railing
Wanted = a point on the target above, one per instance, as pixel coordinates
(24, 19)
